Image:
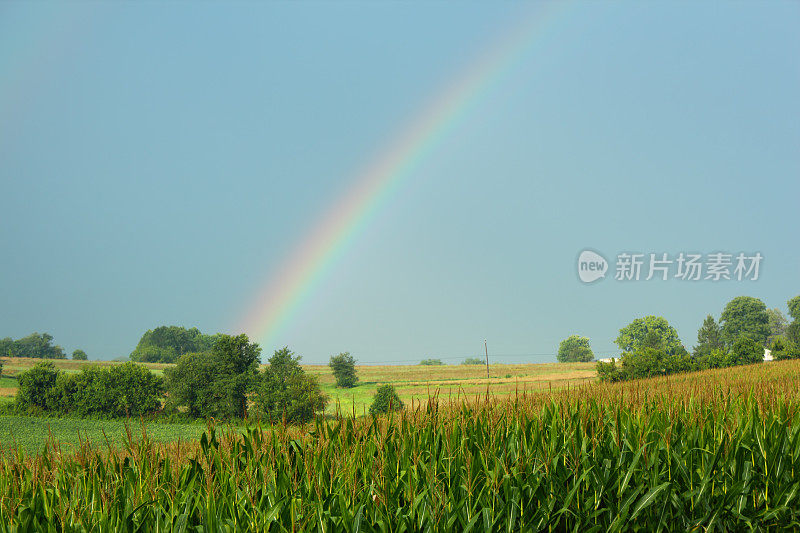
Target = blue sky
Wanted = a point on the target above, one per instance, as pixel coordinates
(159, 160)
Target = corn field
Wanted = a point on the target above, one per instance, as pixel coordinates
(715, 451)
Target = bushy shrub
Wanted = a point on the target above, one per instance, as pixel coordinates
(644, 363)
(472, 361)
(715, 358)
(610, 372)
(344, 370)
(431, 362)
(122, 390)
(747, 350)
(36, 387)
(680, 362)
(385, 400)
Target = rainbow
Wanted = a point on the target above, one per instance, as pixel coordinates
(287, 288)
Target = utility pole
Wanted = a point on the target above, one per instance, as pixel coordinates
(486, 347)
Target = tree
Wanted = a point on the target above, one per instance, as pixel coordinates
(190, 384)
(285, 392)
(431, 362)
(575, 349)
(793, 329)
(79, 355)
(777, 324)
(344, 370)
(215, 384)
(793, 333)
(709, 337)
(472, 361)
(236, 366)
(746, 351)
(385, 400)
(7, 347)
(632, 336)
(165, 344)
(794, 307)
(745, 316)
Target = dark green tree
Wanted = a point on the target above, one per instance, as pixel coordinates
(793, 329)
(344, 370)
(191, 385)
(709, 337)
(386, 399)
(236, 364)
(431, 362)
(286, 393)
(473, 361)
(575, 349)
(744, 316)
(79, 355)
(215, 384)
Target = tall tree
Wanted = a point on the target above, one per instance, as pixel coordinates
(632, 336)
(744, 316)
(709, 337)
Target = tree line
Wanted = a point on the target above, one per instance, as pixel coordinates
(36, 345)
(650, 346)
(222, 382)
